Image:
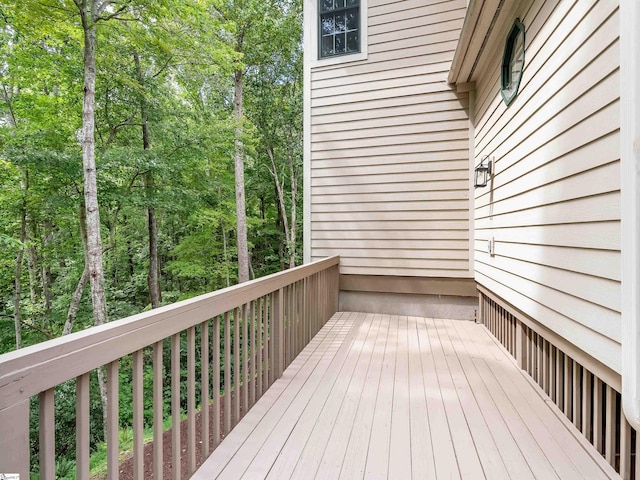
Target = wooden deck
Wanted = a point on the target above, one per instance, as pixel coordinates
(379, 396)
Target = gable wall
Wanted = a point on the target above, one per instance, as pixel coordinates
(388, 149)
(553, 206)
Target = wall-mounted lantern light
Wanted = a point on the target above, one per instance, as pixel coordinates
(482, 172)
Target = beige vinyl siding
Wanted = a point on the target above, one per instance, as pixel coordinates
(389, 186)
(553, 205)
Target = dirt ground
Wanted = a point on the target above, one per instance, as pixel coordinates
(126, 467)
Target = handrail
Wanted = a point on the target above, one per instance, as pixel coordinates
(290, 294)
(113, 340)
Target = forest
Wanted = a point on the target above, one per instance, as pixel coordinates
(182, 88)
(150, 151)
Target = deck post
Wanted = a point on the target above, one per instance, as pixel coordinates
(278, 325)
(521, 346)
(14, 441)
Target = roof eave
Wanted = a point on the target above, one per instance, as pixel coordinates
(479, 22)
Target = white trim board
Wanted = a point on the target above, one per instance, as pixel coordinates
(630, 207)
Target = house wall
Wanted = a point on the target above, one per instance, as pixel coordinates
(553, 206)
(387, 151)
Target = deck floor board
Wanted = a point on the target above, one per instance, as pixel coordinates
(382, 396)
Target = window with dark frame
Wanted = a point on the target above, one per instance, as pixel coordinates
(512, 62)
(339, 27)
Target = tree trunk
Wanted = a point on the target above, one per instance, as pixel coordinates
(241, 213)
(88, 15)
(32, 266)
(153, 277)
(94, 240)
(293, 227)
(224, 254)
(17, 287)
(46, 271)
(289, 228)
(82, 283)
(75, 302)
(153, 274)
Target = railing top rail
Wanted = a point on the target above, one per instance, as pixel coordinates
(33, 369)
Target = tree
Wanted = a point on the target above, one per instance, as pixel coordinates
(255, 29)
(91, 12)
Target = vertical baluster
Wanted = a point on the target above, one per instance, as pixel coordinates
(540, 373)
(191, 400)
(158, 410)
(236, 365)
(494, 318)
(293, 323)
(314, 301)
(610, 426)
(204, 387)
(587, 402)
(577, 399)
(636, 458)
(261, 363)
(47, 434)
(316, 298)
(313, 321)
(559, 380)
(598, 420)
(82, 427)
(299, 317)
(530, 337)
(301, 314)
(113, 424)
(245, 359)
(296, 310)
(545, 366)
(278, 324)
(227, 373)
(296, 320)
(138, 416)
(513, 336)
(216, 381)
(176, 466)
(266, 341)
(491, 323)
(307, 300)
(552, 372)
(527, 350)
(567, 387)
(252, 365)
(286, 325)
(323, 293)
(303, 309)
(625, 448)
(292, 337)
(272, 339)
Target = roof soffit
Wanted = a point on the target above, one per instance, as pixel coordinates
(480, 35)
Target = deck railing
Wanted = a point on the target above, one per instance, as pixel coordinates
(582, 390)
(246, 334)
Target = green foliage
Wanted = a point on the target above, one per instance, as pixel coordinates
(168, 64)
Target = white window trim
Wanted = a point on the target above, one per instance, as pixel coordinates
(311, 26)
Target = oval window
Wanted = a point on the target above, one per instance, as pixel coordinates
(512, 62)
